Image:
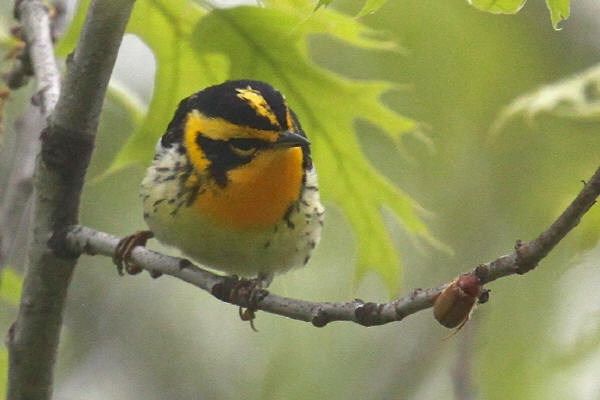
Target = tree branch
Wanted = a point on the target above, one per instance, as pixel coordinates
(67, 144)
(82, 239)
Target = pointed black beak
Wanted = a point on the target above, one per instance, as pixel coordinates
(291, 139)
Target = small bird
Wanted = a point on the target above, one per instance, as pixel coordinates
(232, 184)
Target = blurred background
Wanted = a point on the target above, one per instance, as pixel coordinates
(537, 338)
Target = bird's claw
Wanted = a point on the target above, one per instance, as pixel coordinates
(252, 289)
(122, 256)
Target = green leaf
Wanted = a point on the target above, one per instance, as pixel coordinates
(498, 6)
(370, 7)
(559, 11)
(11, 283)
(575, 97)
(194, 50)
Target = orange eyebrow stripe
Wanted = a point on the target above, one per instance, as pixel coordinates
(256, 100)
(288, 118)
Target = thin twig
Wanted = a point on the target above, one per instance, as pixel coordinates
(14, 213)
(67, 144)
(82, 239)
(36, 30)
(35, 22)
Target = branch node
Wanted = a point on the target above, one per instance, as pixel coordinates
(66, 152)
(154, 274)
(58, 244)
(21, 70)
(525, 261)
(10, 335)
(38, 99)
(87, 248)
(320, 318)
(185, 263)
(369, 314)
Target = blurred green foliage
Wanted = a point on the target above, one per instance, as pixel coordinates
(576, 97)
(499, 6)
(537, 338)
(11, 283)
(559, 9)
(370, 7)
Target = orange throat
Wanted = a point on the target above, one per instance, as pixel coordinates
(257, 194)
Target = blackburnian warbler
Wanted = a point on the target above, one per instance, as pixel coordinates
(232, 184)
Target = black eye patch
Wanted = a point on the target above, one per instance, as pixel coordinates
(247, 144)
(222, 158)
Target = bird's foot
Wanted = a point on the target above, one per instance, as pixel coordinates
(252, 290)
(122, 257)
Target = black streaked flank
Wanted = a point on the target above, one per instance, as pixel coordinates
(157, 202)
(287, 216)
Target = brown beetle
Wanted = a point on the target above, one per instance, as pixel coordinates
(453, 306)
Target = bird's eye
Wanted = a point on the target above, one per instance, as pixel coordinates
(243, 148)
